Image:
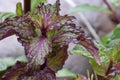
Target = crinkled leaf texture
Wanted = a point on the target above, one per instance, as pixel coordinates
(45, 35)
(20, 72)
(89, 45)
(55, 62)
(36, 49)
(115, 70)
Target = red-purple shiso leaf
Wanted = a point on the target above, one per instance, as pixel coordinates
(115, 69)
(89, 45)
(57, 58)
(37, 51)
(21, 26)
(20, 72)
(33, 31)
(36, 47)
(49, 18)
(14, 73)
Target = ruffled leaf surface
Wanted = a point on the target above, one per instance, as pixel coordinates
(87, 43)
(57, 58)
(45, 35)
(115, 70)
(20, 72)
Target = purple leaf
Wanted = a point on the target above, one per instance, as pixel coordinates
(89, 45)
(21, 26)
(37, 50)
(21, 72)
(57, 58)
(15, 72)
(114, 70)
(49, 18)
(45, 34)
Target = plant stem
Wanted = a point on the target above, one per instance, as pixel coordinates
(108, 70)
(27, 4)
(113, 12)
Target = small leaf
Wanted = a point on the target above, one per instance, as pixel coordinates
(115, 3)
(105, 39)
(21, 58)
(115, 53)
(112, 38)
(65, 73)
(19, 11)
(117, 77)
(79, 50)
(35, 3)
(97, 68)
(89, 45)
(57, 58)
(87, 7)
(5, 63)
(50, 34)
(116, 32)
(5, 15)
(8, 62)
(115, 70)
(21, 26)
(112, 43)
(37, 50)
(21, 72)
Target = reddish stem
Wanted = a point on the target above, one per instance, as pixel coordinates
(27, 4)
(108, 70)
(113, 12)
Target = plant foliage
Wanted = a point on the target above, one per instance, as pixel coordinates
(110, 60)
(45, 35)
(90, 8)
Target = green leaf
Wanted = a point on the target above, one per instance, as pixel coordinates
(50, 34)
(35, 3)
(116, 32)
(19, 11)
(105, 39)
(57, 58)
(79, 50)
(117, 77)
(112, 38)
(87, 7)
(8, 61)
(97, 68)
(21, 72)
(113, 42)
(104, 53)
(5, 15)
(115, 53)
(65, 73)
(5, 63)
(115, 3)
(21, 58)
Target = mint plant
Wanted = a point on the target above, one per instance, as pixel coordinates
(45, 35)
(109, 49)
(110, 60)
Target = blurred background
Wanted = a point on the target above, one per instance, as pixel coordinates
(96, 23)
